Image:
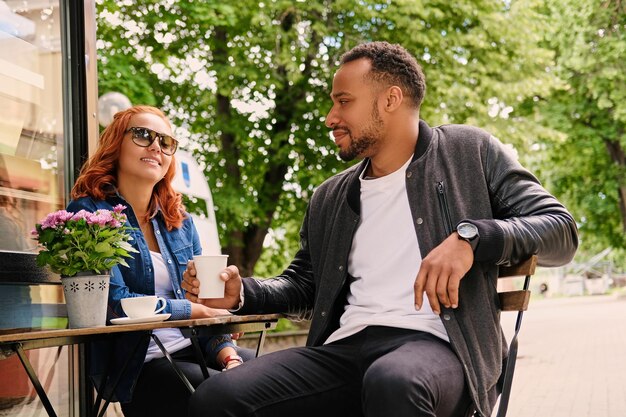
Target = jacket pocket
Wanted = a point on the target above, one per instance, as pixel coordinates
(443, 206)
(183, 254)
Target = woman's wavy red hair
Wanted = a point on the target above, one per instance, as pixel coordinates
(100, 171)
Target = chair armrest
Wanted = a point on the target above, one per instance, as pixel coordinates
(526, 267)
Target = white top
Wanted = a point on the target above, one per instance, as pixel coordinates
(172, 339)
(384, 261)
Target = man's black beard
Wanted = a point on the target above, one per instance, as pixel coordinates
(369, 139)
(357, 148)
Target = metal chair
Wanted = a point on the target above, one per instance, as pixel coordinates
(514, 301)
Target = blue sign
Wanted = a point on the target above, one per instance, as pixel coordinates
(186, 177)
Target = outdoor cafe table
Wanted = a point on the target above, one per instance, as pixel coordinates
(19, 340)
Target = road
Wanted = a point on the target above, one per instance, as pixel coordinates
(572, 358)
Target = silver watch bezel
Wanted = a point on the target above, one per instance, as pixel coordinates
(467, 230)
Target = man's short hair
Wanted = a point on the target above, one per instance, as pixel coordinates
(391, 65)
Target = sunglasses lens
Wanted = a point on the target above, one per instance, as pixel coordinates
(168, 144)
(144, 137)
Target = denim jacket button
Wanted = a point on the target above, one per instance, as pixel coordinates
(158, 232)
(408, 174)
(419, 220)
(446, 317)
(177, 291)
(341, 267)
(169, 261)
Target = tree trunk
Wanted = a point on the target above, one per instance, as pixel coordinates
(245, 246)
(618, 156)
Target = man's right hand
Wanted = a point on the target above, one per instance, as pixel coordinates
(232, 291)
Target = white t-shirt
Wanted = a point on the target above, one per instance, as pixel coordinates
(172, 339)
(384, 261)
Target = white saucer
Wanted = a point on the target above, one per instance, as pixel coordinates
(149, 319)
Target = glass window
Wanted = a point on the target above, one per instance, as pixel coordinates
(31, 185)
(31, 120)
(31, 139)
(17, 396)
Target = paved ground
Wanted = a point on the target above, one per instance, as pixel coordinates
(572, 358)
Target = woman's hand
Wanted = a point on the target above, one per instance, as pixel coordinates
(200, 311)
(236, 336)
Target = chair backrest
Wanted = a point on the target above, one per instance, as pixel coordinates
(517, 300)
(514, 301)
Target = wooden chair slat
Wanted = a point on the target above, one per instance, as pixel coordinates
(514, 300)
(526, 267)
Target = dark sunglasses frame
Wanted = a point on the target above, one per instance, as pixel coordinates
(137, 134)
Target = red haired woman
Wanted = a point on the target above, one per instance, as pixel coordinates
(134, 166)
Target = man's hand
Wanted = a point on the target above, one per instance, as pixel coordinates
(230, 275)
(441, 272)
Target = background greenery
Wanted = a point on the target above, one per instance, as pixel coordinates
(247, 84)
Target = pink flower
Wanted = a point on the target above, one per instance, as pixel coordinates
(100, 217)
(119, 208)
(52, 220)
(64, 246)
(114, 223)
(83, 214)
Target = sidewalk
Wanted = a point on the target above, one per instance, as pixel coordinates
(572, 358)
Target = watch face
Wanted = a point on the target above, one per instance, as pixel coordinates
(467, 230)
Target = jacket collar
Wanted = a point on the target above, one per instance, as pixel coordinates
(113, 192)
(424, 138)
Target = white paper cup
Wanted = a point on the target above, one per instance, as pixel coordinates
(141, 307)
(208, 268)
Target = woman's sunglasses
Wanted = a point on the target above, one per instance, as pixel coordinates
(142, 136)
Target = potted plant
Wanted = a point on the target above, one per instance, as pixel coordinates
(82, 247)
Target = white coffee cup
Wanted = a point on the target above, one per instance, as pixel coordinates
(208, 268)
(142, 307)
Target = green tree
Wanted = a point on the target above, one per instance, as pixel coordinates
(248, 83)
(586, 164)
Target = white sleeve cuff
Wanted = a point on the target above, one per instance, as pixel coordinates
(241, 297)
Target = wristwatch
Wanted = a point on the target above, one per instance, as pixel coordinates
(468, 232)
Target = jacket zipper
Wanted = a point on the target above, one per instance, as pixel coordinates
(443, 205)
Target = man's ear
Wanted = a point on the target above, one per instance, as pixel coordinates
(394, 98)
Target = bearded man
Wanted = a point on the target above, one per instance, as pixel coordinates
(397, 265)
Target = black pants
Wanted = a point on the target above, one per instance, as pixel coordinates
(380, 371)
(160, 392)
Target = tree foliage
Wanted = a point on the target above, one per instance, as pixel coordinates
(586, 164)
(247, 83)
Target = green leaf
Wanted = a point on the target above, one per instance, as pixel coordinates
(532, 73)
(103, 247)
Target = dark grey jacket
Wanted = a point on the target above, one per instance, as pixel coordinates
(457, 173)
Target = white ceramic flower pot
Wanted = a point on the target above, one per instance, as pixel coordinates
(86, 296)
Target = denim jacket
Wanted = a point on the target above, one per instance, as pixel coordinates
(177, 246)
